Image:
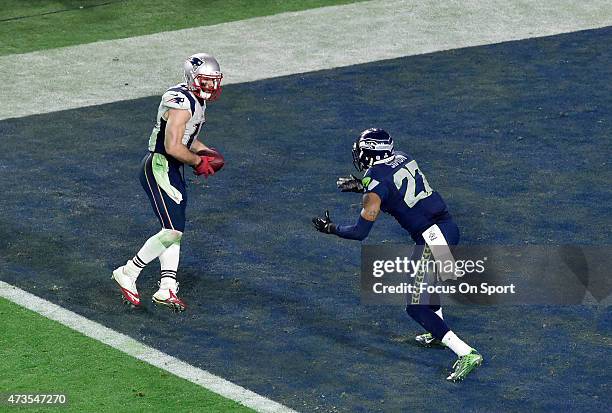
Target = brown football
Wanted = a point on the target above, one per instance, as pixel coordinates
(218, 161)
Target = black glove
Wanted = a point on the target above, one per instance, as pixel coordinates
(324, 224)
(350, 184)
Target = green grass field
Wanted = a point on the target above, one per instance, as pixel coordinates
(44, 24)
(42, 356)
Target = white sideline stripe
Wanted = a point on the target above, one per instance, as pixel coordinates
(282, 44)
(140, 351)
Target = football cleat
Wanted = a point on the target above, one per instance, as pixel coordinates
(127, 285)
(428, 340)
(464, 365)
(167, 297)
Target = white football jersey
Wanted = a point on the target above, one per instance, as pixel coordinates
(178, 97)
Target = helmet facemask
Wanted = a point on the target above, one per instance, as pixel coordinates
(207, 87)
(357, 156)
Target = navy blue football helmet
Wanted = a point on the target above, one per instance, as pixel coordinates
(372, 145)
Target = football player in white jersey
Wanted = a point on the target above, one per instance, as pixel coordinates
(173, 143)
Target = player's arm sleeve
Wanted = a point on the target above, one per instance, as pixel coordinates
(359, 231)
(362, 228)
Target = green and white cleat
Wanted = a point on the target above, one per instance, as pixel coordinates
(464, 365)
(427, 340)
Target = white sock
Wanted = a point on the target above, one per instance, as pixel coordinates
(439, 313)
(152, 249)
(167, 283)
(169, 260)
(456, 344)
(134, 266)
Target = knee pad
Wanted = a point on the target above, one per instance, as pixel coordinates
(169, 236)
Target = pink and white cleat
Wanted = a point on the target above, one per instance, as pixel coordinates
(127, 285)
(167, 297)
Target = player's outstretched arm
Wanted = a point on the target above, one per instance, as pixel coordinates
(359, 231)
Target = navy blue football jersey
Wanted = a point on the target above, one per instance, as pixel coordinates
(406, 194)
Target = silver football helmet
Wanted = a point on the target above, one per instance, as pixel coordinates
(203, 76)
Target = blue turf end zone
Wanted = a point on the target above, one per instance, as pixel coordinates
(516, 137)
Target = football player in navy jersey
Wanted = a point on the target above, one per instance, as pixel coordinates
(393, 183)
(172, 144)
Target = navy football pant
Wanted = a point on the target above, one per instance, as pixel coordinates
(424, 314)
(170, 214)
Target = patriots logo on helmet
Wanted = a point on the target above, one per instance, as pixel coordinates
(195, 62)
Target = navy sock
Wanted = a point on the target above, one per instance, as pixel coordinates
(428, 319)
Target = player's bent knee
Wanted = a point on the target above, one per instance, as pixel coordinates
(170, 236)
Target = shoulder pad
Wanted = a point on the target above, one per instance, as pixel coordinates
(177, 99)
(369, 183)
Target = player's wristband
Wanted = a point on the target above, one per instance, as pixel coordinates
(359, 231)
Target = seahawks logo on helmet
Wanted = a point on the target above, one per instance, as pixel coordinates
(372, 146)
